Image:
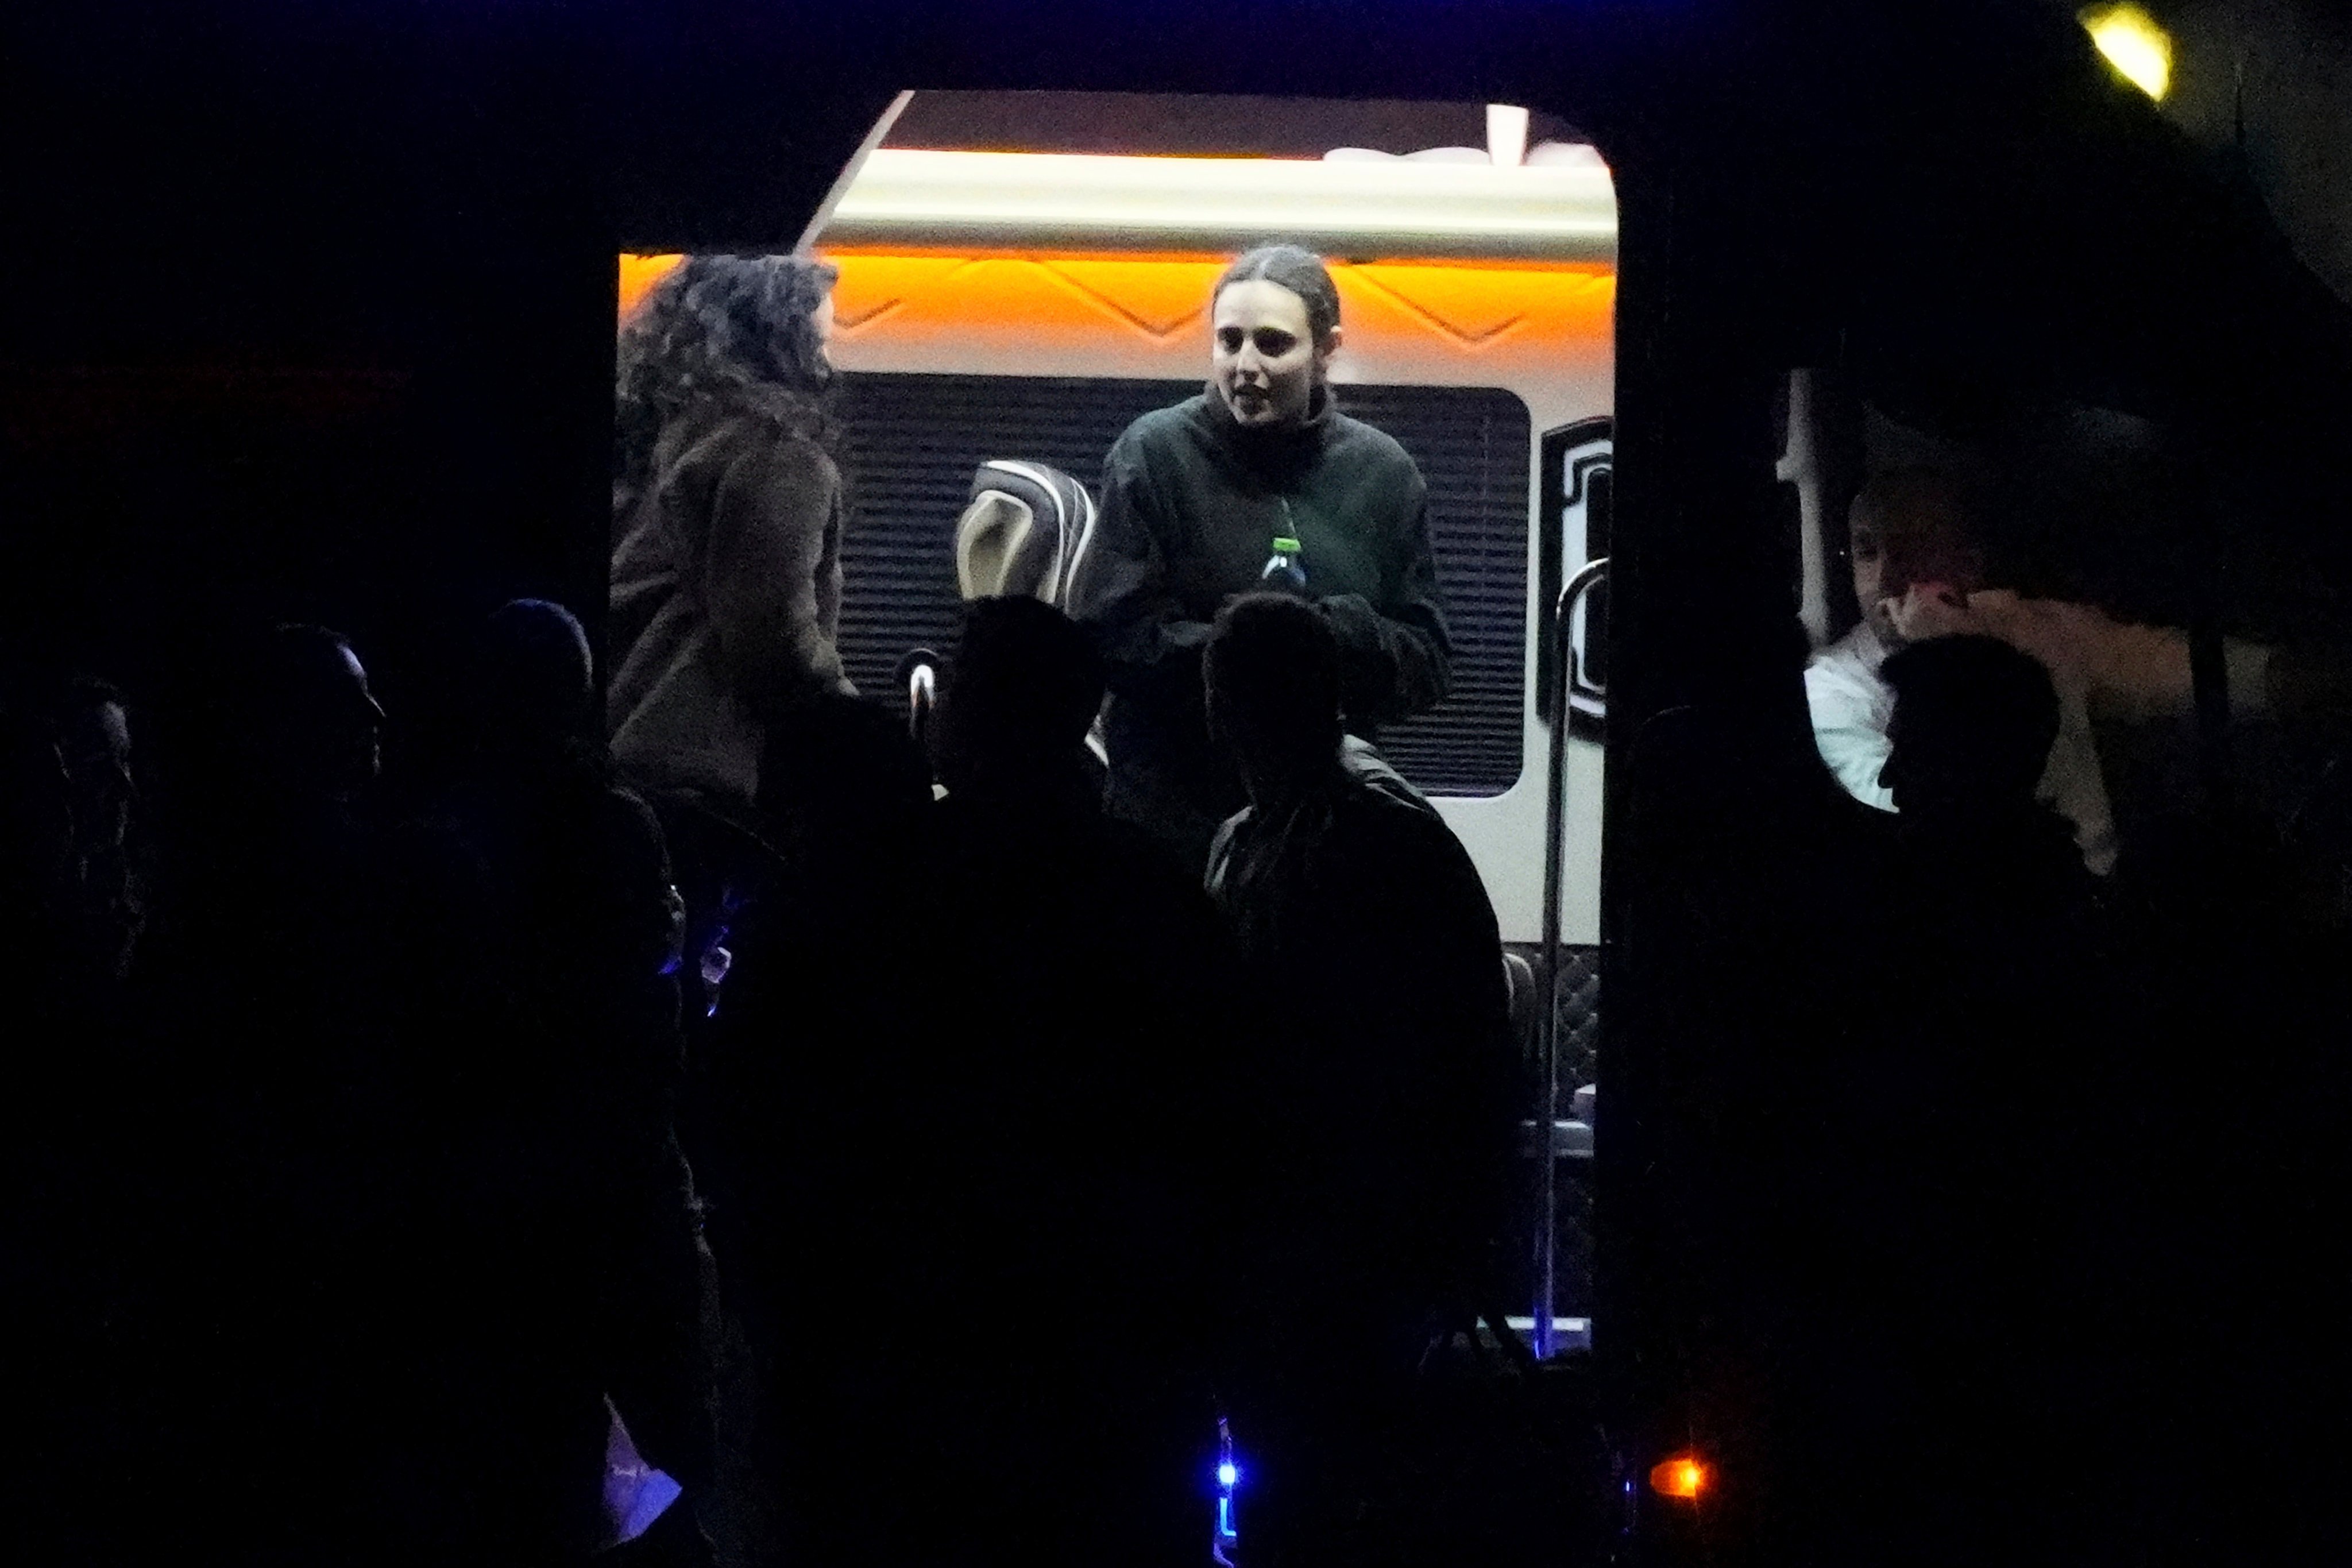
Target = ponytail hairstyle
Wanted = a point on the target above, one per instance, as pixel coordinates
(1294, 267)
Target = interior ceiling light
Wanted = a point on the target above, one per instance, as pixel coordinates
(906, 198)
(2134, 44)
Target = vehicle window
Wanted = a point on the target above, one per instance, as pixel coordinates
(913, 442)
(2097, 541)
(1033, 270)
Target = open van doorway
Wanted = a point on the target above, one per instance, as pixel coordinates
(1016, 278)
(1021, 274)
(1010, 287)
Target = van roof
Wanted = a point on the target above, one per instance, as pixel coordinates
(1195, 125)
(1560, 206)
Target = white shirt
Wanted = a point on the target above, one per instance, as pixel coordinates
(1853, 707)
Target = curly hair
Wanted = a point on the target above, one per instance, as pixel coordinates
(721, 335)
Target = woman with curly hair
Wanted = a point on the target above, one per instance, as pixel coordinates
(726, 596)
(727, 516)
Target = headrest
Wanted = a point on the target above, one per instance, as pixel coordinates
(1025, 531)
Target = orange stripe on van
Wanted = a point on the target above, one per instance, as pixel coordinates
(1071, 298)
(638, 276)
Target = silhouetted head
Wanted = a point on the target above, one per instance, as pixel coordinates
(1020, 693)
(316, 729)
(1974, 722)
(1275, 320)
(1911, 527)
(1272, 668)
(91, 719)
(536, 680)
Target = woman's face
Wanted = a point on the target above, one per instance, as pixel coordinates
(1266, 360)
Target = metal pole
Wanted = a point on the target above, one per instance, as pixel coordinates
(1548, 1020)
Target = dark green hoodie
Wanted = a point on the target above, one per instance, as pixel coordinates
(1191, 505)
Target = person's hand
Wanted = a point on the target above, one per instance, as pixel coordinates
(2132, 670)
(1931, 610)
(2029, 626)
(2063, 637)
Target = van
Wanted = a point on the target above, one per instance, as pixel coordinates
(374, 249)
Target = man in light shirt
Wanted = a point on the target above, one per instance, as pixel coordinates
(1919, 570)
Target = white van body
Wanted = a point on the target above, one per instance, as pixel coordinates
(1451, 274)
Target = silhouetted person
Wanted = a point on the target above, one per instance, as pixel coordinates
(284, 864)
(73, 903)
(270, 1090)
(1986, 1197)
(590, 922)
(316, 727)
(977, 1161)
(298, 859)
(408, 1082)
(1984, 862)
(280, 872)
(821, 1019)
(92, 720)
(591, 1280)
(1027, 683)
(1091, 994)
(51, 1257)
(1382, 1085)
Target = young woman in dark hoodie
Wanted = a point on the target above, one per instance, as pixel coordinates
(1194, 499)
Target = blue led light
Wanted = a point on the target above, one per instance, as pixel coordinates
(1226, 1536)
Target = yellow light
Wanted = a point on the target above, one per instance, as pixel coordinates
(2134, 44)
(1682, 1477)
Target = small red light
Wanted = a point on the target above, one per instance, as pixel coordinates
(1680, 1476)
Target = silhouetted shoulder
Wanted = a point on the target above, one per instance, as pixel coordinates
(1381, 818)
